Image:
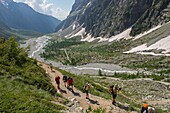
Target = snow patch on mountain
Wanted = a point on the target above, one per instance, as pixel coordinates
(87, 38)
(88, 4)
(124, 35)
(163, 45)
(80, 31)
(74, 26)
(102, 39)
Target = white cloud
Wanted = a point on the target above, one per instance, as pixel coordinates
(45, 7)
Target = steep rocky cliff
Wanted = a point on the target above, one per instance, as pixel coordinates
(106, 18)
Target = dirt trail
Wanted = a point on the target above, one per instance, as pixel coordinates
(94, 101)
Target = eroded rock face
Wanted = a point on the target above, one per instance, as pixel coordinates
(110, 17)
(158, 13)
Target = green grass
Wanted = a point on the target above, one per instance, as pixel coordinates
(126, 76)
(98, 110)
(24, 86)
(20, 34)
(20, 97)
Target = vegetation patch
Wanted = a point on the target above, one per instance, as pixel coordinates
(73, 52)
(23, 84)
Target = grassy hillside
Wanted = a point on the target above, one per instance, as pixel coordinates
(23, 84)
(6, 32)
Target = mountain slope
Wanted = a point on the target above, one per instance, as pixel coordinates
(21, 16)
(110, 17)
(6, 32)
(24, 86)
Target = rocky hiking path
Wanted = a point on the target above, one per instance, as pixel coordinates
(78, 102)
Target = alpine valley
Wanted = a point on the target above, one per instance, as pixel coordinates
(101, 43)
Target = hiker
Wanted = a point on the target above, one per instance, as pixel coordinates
(47, 73)
(114, 89)
(144, 108)
(57, 79)
(151, 110)
(70, 83)
(51, 67)
(65, 80)
(87, 87)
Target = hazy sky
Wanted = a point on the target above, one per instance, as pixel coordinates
(57, 8)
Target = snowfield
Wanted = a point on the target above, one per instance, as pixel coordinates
(123, 35)
(163, 44)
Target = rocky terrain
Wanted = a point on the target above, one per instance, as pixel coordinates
(110, 17)
(143, 90)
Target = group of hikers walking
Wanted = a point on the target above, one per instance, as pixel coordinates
(68, 82)
(113, 89)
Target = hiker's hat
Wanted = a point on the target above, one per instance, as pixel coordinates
(145, 105)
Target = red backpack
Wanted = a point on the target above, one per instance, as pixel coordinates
(57, 79)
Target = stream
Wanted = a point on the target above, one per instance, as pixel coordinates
(36, 47)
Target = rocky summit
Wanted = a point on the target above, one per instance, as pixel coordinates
(110, 17)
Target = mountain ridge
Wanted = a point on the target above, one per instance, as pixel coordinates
(22, 16)
(110, 17)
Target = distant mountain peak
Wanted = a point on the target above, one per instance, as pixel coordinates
(21, 16)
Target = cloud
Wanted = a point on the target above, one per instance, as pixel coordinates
(45, 7)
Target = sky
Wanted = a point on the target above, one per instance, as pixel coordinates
(57, 8)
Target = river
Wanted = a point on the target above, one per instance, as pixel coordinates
(36, 47)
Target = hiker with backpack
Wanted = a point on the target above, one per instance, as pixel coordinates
(114, 89)
(57, 79)
(87, 87)
(51, 67)
(65, 80)
(70, 83)
(144, 108)
(147, 109)
(151, 110)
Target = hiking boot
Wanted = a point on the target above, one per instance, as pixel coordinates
(114, 103)
(87, 97)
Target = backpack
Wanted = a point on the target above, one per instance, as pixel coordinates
(111, 88)
(65, 77)
(144, 110)
(57, 79)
